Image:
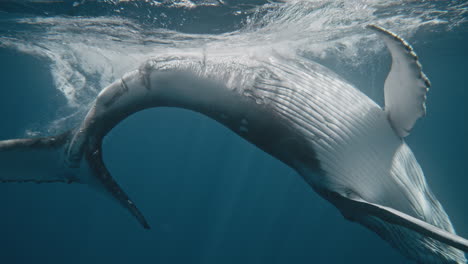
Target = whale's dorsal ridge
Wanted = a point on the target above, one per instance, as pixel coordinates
(406, 85)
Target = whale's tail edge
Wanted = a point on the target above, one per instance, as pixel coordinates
(44, 160)
(37, 160)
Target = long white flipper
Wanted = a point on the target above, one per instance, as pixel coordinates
(396, 217)
(406, 85)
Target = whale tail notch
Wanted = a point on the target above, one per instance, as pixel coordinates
(43, 160)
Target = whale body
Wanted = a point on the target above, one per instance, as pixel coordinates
(346, 147)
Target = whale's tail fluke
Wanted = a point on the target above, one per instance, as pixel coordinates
(36, 160)
(43, 160)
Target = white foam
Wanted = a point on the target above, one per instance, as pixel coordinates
(88, 53)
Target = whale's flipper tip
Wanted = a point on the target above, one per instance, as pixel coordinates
(406, 85)
(106, 181)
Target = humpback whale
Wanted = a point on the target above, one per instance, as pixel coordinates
(346, 147)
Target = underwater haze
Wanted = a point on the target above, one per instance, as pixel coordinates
(209, 195)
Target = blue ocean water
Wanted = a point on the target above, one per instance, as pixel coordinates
(210, 196)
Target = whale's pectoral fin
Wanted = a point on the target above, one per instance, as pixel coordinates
(406, 85)
(38, 160)
(352, 207)
(93, 156)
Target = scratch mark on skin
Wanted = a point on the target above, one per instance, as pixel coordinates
(124, 89)
(144, 72)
